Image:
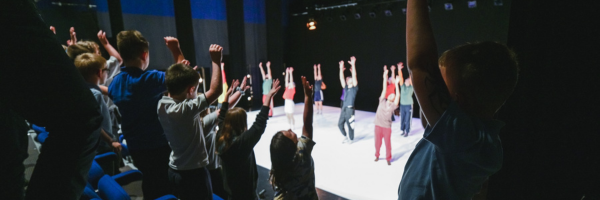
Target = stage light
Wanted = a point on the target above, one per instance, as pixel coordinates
(448, 6)
(498, 3)
(248, 76)
(387, 13)
(311, 25)
(472, 4)
(249, 98)
(200, 80)
(356, 15)
(343, 17)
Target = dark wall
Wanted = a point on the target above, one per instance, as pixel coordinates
(551, 137)
(381, 41)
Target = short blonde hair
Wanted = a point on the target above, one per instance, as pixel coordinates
(81, 47)
(88, 64)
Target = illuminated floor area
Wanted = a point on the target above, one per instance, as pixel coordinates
(348, 171)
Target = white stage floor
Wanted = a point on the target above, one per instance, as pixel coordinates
(346, 170)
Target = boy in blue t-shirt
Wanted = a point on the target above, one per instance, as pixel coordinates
(136, 92)
(460, 148)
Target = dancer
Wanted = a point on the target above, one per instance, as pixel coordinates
(292, 168)
(319, 87)
(288, 95)
(235, 146)
(267, 83)
(406, 103)
(383, 121)
(459, 96)
(350, 86)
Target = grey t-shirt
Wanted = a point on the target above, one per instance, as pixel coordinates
(112, 64)
(182, 126)
(350, 96)
(209, 124)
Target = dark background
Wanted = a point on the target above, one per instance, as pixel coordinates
(550, 139)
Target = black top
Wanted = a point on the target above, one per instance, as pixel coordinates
(238, 162)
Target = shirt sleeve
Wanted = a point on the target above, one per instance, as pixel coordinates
(248, 139)
(195, 106)
(113, 67)
(305, 147)
(455, 131)
(208, 122)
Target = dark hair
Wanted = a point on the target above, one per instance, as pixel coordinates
(486, 72)
(179, 77)
(81, 47)
(234, 124)
(89, 64)
(131, 44)
(283, 152)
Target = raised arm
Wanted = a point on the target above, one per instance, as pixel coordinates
(307, 128)
(109, 48)
(73, 37)
(385, 77)
(352, 62)
(291, 75)
(319, 71)
(269, 75)
(431, 91)
(315, 72)
(393, 74)
(237, 95)
(287, 79)
(216, 84)
(173, 45)
(262, 71)
(342, 79)
(248, 139)
(401, 76)
(397, 97)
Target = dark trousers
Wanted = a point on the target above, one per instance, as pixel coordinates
(405, 117)
(154, 165)
(216, 180)
(191, 184)
(40, 84)
(347, 118)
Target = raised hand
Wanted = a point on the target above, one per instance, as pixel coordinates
(73, 36)
(186, 62)
(274, 89)
(268, 64)
(234, 84)
(319, 65)
(243, 86)
(315, 66)
(308, 91)
(53, 29)
(216, 53)
(260, 64)
(393, 67)
(401, 65)
(352, 61)
(342, 65)
(102, 37)
(172, 42)
(291, 69)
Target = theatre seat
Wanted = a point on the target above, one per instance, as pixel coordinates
(109, 189)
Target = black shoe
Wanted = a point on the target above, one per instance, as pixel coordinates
(406, 135)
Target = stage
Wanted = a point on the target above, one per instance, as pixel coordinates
(346, 170)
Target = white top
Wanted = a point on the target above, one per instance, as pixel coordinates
(112, 64)
(183, 129)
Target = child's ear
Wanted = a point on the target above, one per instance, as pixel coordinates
(192, 89)
(144, 55)
(99, 73)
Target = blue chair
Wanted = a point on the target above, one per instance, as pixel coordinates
(41, 137)
(109, 189)
(89, 194)
(38, 129)
(124, 178)
(215, 197)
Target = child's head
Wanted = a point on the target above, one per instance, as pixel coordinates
(234, 125)
(480, 76)
(82, 47)
(348, 81)
(182, 80)
(283, 151)
(133, 46)
(91, 66)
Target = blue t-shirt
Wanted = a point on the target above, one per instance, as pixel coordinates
(136, 93)
(453, 159)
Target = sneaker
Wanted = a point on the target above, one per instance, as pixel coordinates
(389, 163)
(406, 134)
(376, 159)
(345, 141)
(349, 141)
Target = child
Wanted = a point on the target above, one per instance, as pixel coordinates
(288, 95)
(383, 120)
(209, 122)
(292, 167)
(92, 68)
(458, 96)
(350, 85)
(319, 87)
(235, 146)
(267, 83)
(406, 103)
(136, 91)
(179, 115)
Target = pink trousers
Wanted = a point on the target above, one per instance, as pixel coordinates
(385, 134)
